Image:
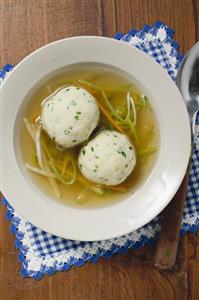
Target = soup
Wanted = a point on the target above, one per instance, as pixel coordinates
(55, 164)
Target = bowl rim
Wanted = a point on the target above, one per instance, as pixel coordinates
(126, 223)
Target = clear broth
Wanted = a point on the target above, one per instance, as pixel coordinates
(106, 78)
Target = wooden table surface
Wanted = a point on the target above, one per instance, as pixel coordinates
(29, 24)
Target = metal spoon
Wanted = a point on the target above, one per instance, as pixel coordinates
(188, 81)
(167, 245)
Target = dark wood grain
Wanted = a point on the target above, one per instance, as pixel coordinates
(169, 237)
(26, 25)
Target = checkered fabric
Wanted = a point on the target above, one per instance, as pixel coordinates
(46, 243)
(42, 253)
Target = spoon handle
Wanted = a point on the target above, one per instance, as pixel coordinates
(186, 73)
(167, 244)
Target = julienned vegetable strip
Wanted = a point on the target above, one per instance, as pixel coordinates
(64, 166)
(134, 110)
(118, 188)
(128, 104)
(91, 187)
(52, 181)
(39, 171)
(91, 85)
(121, 89)
(110, 106)
(46, 150)
(96, 190)
(53, 94)
(60, 177)
(51, 177)
(30, 128)
(147, 151)
(106, 114)
(143, 100)
(38, 147)
(134, 132)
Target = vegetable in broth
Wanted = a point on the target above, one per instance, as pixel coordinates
(122, 108)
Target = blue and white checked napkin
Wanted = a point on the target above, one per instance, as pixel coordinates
(42, 253)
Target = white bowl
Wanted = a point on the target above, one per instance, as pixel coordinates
(170, 167)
